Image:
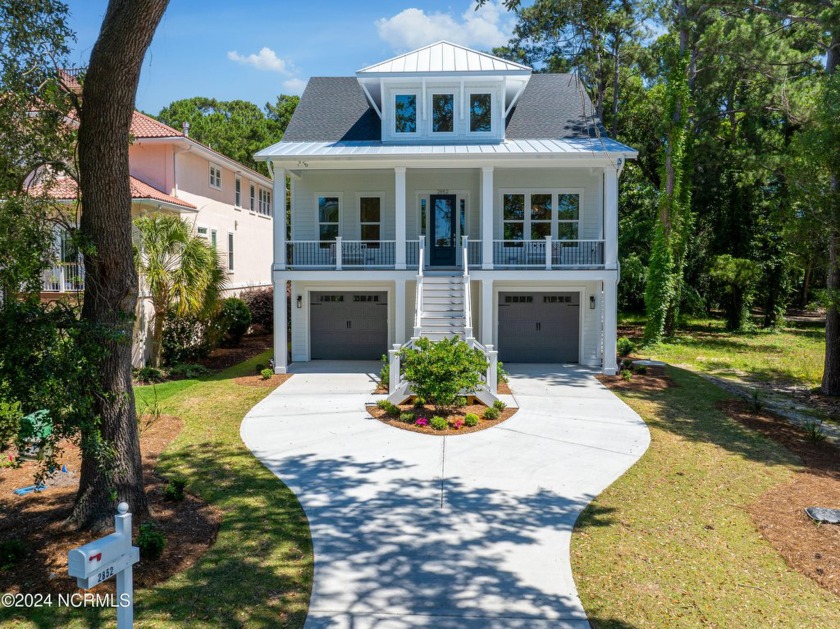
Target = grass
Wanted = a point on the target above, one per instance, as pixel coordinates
(793, 354)
(670, 543)
(259, 572)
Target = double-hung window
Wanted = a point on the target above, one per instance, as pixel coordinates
(535, 215)
(328, 213)
(265, 202)
(215, 176)
(370, 219)
(230, 251)
(253, 203)
(568, 216)
(237, 192)
(513, 219)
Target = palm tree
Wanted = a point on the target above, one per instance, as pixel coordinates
(180, 271)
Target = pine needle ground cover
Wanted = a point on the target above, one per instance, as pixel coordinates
(672, 544)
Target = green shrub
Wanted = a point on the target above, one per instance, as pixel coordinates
(498, 404)
(625, 346)
(501, 374)
(627, 374)
(419, 402)
(407, 417)
(186, 339)
(151, 541)
(814, 431)
(492, 413)
(640, 369)
(388, 407)
(259, 367)
(189, 371)
(266, 374)
(147, 375)
(439, 423)
(174, 489)
(385, 371)
(442, 372)
(260, 302)
(471, 420)
(233, 320)
(12, 552)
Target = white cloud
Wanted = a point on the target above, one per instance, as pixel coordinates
(492, 25)
(294, 86)
(265, 59)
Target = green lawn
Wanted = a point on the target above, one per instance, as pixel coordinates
(259, 572)
(670, 543)
(792, 355)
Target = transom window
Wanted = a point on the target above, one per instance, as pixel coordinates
(443, 110)
(201, 232)
(405, 113)
(481, 113)
(215, 176)
(328, 212)
(370, 219)
(535, 215)
(265, 202)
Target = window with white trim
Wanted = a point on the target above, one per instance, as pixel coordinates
(213, 238)
(237, 192)
(370, 219)
(405, 113)
(230, 251)
(443, 113)
(253, 199)
(215, 176)
(329, 208)
(481, 112)
(265, 202)
(513, 217)
(537, 214)
(568, 216)
(201, 232)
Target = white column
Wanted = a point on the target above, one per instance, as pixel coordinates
(399, 312)
(486, 312)
(611, 217)
(281, 324)
(486, 218)
(280, 218)
(610, 326)
(399, 222)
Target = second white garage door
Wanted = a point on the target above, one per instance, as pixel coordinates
(539, 327)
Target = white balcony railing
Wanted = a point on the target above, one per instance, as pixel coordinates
(64, 277)
(340, 254)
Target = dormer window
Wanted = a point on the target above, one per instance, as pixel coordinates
(481, 112)
(443, 108)
(405, 113)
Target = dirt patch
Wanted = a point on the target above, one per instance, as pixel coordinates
(637, 382)
(37, 519)
(810, 548)
(428, 411)
(266, 383)
(250, 346)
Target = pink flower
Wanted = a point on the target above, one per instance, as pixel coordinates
(422, 421)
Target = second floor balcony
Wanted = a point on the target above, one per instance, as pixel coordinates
(543, 254)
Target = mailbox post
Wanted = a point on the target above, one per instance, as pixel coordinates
(112, 555)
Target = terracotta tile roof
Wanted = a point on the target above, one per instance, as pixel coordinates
(142, 126)
(66, 189)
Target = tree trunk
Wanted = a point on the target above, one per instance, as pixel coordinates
(111, 282)
(157, 339)
(831, 373)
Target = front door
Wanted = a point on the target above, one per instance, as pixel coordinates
(443, 235)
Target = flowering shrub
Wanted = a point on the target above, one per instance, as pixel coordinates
(422, 421)
(457, 423)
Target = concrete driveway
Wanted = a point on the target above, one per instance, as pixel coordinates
(469, 531)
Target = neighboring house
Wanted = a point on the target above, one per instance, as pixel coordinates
(448, 192)
(227, 203)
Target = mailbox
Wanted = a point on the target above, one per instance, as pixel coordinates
(104, 558)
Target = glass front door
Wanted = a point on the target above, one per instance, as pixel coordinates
(443, 231)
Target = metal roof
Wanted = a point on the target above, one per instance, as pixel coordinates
(577, 146)
(444, 56)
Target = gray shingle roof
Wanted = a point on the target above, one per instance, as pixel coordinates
(334, 109)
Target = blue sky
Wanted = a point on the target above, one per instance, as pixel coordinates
(258, 49)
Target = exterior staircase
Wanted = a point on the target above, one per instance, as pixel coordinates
(442, 313)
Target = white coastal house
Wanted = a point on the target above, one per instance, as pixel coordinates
(447, 192)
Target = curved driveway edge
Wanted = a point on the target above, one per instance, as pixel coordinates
(468, 531)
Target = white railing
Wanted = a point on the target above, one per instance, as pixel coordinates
(468, 325)
(65, 277)
(418, 295)
(548, 254)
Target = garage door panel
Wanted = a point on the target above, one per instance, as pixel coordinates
(348, 325)
(539, 327)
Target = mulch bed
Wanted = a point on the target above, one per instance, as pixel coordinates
(812, 549)
(38, 519)
(265, 383)
(429, 412)
(224, 357)
(650, 382)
